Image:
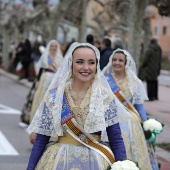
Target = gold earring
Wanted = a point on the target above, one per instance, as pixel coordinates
(72, 76)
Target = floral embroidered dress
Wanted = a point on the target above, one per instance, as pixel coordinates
(136, 147)
(131, 94)
(67, 153)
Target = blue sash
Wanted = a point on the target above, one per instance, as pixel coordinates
(115, 88)
(66, 113)
(119, 94)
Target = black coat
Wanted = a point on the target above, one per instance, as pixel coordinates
(104, 57)
(151, 64)
(25, 53)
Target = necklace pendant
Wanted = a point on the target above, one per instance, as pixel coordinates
(75, 97)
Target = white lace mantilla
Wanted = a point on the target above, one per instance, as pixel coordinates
(43, 62)
(102, 108)
(134, 83)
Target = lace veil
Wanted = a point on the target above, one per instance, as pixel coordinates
(104, 108)
(43, 62)
(134, 83)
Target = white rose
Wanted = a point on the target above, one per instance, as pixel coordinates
(128, 165)
(130, 162)
(134, 168)
(117, 165)
(124, 165)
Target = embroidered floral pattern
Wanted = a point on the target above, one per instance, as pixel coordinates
(69, 157)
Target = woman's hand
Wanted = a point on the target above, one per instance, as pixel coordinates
(32, 137)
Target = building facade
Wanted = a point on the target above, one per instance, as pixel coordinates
(161, 29)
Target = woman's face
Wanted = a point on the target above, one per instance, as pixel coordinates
(53, 47)
(84, 64)
(118, 62)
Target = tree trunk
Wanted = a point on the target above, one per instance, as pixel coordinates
(58, 15)
(82, 29)
(136, 13)
(27, 30)
(54, 24)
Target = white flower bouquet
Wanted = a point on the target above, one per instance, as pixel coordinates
(151, 128)
(124, 165)
(152, 125)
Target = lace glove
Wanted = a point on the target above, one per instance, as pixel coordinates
(141, 110)
(37, 150)
(116, 142)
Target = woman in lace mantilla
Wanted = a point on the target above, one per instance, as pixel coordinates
(48, 64)
(121, 74)
(80, 88)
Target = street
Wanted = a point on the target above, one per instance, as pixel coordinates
(14, 140)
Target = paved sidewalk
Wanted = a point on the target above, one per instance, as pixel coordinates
(159, 110)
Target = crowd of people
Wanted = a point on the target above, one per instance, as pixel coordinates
(87, 108)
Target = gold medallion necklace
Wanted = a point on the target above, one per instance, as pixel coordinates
(76, 96)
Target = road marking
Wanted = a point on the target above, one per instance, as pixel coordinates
(5, 147)
(8, 110)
